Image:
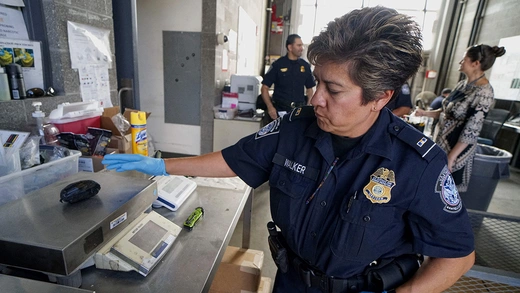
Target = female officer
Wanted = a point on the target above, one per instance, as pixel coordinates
(354, 189)
(463, 112)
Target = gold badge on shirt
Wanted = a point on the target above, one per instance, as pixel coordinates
(302, 69)
(283, 69)
(381, 183)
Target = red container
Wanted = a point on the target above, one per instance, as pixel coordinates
(79, 126)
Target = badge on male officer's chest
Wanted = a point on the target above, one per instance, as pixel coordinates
(283, 69)
(302, 68)
(381, 183)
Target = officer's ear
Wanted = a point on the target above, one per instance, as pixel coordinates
(383, 99)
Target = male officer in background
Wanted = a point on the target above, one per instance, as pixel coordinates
(402, 104)
(437, 102)
(290, 75)
(354, 190)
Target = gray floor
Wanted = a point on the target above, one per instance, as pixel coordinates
(506, 200)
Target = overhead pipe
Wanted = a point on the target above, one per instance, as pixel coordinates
(477, 21)
(449, 49)
(475, 28)
(269, 13)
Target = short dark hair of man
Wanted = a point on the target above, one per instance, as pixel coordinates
(291, 39)
(380, 48)
(446, 91)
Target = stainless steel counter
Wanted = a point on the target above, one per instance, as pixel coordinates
(192, 262)
(20, 285)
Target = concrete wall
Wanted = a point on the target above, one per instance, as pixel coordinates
(153, 18)
(206, 16)
(499, 21)
(226, 18)
(16, 114)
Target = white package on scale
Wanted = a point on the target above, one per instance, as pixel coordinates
(173, 191)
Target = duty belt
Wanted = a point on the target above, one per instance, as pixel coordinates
(381, 275)
(327, 284)
(385, 275)
(287, 105)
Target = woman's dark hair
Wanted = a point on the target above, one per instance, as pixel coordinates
(380, 47)
(485, 54)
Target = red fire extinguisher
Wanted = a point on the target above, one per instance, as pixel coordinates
(276, 22)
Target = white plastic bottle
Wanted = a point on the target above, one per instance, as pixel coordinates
(4, 86)
(38, 116)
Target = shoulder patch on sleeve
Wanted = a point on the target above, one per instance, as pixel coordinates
(426, 148)
(271, 128)
(447, 190)
(405, 89)
(302, 112)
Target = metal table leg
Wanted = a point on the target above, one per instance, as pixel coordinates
(246, 217)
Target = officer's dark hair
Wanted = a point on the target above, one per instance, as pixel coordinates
(290, 40)
(485, 54)
(380, 47)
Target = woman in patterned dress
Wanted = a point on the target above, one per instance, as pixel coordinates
(463, 112)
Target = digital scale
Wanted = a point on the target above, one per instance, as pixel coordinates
(140, 247)
(173, 191)
(110, 229)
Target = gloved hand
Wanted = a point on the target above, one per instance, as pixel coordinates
(126, 162)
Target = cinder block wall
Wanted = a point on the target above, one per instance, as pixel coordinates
(16, 114)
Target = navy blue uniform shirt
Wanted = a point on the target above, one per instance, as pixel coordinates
(390, 195)
(403, 99)
(289, 78)
(437, 103)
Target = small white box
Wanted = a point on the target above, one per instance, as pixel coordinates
(224, 113)
(229, 100)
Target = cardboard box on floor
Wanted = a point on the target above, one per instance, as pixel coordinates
(239, 271)
(119, 142)
(265, 285)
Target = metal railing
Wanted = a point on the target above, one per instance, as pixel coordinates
(497, 247)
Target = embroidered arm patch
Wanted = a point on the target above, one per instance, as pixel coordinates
(448, 192)
(271, 128)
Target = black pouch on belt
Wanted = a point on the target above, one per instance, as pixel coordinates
(390, 274)
(277, 247)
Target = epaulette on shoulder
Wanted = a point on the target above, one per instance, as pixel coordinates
(302, 112)
(426, 147)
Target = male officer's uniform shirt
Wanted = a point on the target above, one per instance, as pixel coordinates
(289, 78)
(403, 99)
(391, 194)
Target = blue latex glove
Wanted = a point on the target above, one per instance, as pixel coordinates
(127, 162)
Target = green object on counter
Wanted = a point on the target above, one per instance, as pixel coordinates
(193, 218)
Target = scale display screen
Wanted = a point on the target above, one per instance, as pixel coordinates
(144, 244)
(148, 237)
